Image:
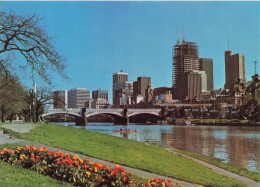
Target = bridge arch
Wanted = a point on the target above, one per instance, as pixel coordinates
(64, 113)
(137, 113)
(109, 113)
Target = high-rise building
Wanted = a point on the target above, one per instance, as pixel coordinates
(234, 69)
(120, 87)
(120, 82)
(120, 77)
(193, 83)
(206, 64)
(141, 85)
(60, 99)
(100, 94)
(196, 83)
(185, 58)
(77, 97)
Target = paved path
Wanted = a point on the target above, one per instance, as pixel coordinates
(137, 172)
(144, 174)
(245, 180)
(21, 128)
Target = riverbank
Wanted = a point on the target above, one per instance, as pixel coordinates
(217, 122)
(128, 152)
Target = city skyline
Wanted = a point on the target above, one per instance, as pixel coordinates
(101, 38)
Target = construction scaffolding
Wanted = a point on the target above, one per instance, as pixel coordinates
(185, 58)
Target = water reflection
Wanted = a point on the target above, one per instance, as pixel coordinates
(236, 145)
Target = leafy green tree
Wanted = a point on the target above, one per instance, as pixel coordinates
(251, 110)
(12, 99)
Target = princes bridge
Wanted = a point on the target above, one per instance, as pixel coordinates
(121, 114)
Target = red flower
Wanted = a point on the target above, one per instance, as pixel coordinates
(33, 159)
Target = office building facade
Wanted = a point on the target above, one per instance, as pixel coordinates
(206, 64)
(60, 99)
(234, 69)
(119, 88)
(141, 85)
(120, 82)
(100, 94)
(77, 97)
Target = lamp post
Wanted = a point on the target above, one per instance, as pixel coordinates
(34, 103)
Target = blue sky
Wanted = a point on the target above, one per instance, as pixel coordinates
(101, 38)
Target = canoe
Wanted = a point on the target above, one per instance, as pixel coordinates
(124, 131)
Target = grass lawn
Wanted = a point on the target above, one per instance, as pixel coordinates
(18, 176)
(128, 152)
(235, 169)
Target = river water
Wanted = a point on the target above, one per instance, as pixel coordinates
(235, 145)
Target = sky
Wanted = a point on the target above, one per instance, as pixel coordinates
(101, 38)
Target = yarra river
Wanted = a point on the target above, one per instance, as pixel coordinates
(235, 145)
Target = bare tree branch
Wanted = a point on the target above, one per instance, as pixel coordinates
(26, 36)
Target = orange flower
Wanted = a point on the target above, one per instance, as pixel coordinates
(88, 173)
(95, 170)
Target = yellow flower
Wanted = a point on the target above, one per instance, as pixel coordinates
(88, 173)
(117, 166)
(95, 170)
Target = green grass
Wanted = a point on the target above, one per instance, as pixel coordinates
(11, 175)
(128, 152)
(235, 169)
(17, 176)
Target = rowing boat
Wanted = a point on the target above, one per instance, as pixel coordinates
(124, 131)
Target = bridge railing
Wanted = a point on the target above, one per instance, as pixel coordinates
(65, 110)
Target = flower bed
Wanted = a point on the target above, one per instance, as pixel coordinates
(71, 168)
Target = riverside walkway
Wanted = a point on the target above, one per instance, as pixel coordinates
(24, 128)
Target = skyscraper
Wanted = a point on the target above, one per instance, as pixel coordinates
(206, 64)
(185, 58)
(234, 69)
(120, 81)
(141, 85)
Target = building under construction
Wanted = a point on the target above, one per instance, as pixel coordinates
(185, 58)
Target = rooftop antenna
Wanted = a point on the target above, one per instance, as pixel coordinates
(177, 32)
(183, 34)
(255, 64)
(228, 41)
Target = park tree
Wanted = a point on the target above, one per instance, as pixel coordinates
(25, 44)
(251, 110)
(12, 100)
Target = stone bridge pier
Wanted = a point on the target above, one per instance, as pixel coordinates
(82, 121)
(124, 119)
